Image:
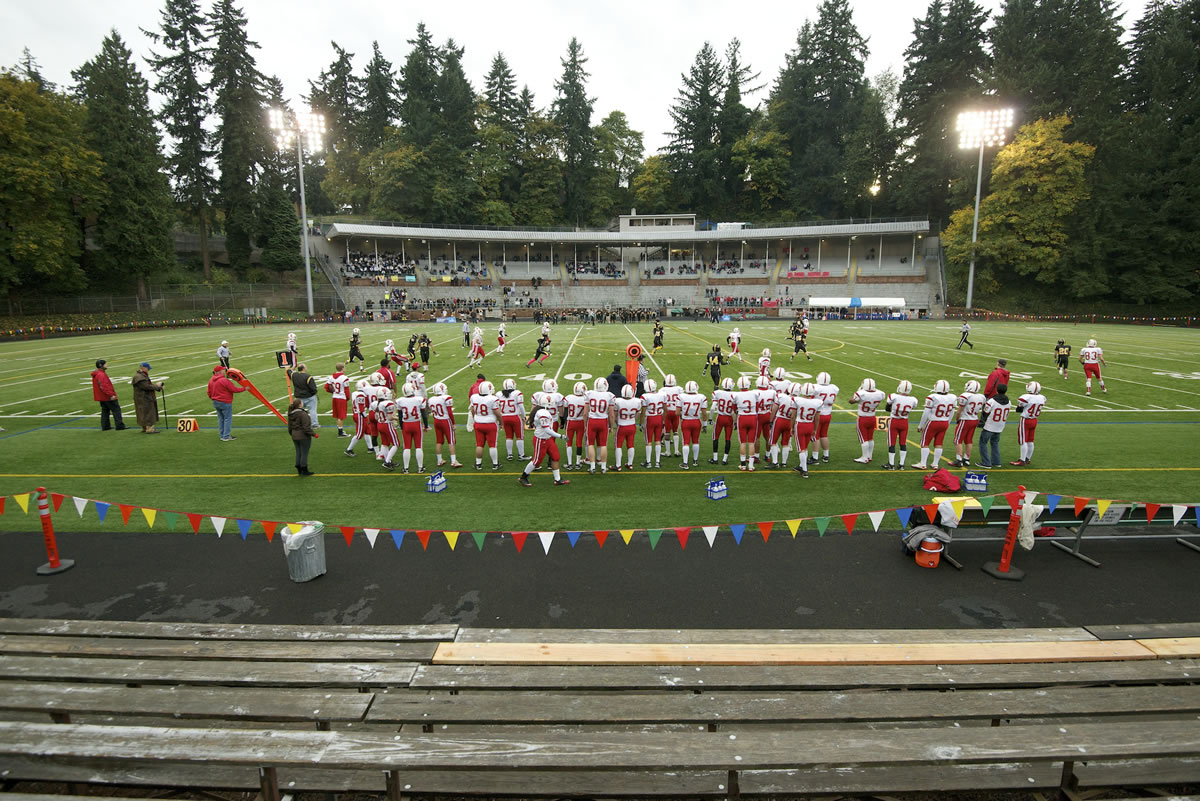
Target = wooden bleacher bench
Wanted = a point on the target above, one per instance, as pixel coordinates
(637, 713)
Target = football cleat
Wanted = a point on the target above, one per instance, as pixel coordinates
(524, 482)
(561, 482)
(349, 452)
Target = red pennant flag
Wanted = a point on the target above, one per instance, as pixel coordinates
(519, 539)
(269, 527)
(601, 536)
(1079, 504)
(126, 511)
(849, 521)
(2, 500)
(931, 510)
(56, 499)
(1151, 511)
(348, 534)
(765, 528)
(423, 536)
(682, 533)
(1014, 499)
(195, 519)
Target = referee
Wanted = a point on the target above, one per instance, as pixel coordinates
(965, 331)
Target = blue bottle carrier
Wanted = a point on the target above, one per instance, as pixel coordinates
(975, 482)
(717, 490)
(436, 482)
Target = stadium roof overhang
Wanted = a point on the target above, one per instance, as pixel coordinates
(626, 238)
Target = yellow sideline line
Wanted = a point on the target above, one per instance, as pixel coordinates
(488, 473)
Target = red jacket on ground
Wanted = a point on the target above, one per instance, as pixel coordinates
(998, 376)
(221, 389)
(102, 388)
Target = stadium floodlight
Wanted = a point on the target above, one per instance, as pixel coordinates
(305, 129)
(874, 190)
(980, 129)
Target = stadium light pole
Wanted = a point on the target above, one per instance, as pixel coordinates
(306, 127)
(874, 190)
(980, 129)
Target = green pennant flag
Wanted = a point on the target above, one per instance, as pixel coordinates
(654, 534)
(822, 524)
(170, 517)
(478, 537)
(985, 503)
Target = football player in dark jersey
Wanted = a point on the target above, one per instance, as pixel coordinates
(1062, 356)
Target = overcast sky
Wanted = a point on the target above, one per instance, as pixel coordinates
(636, 50)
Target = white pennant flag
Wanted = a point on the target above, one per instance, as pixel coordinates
(1178, 510)
(546, 537)
(876, 518)
(81, 504)
(371, 533)
(1030, 496)
(710, 534)
(218, 524)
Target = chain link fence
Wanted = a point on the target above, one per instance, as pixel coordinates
(198, 298)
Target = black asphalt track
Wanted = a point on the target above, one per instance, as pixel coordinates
(840, 581)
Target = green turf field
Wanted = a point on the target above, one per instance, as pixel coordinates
(1137, 442)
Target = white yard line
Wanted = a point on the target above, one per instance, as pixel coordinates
(647, 352)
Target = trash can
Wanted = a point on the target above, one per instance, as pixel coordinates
(305, 551)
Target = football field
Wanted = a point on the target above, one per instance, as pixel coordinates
(1136, 442)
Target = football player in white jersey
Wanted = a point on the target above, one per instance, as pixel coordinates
(653, 416)
(441, 406)
(747, 422)
(764, 363)
(292, 351)
(628, 415)
(723, 407)
(545, 445)
(1030, 405)
(899, 406)
(765, 406)
(735, 344)
(500, 340)
(867, 399)
(599, 419)
(783, 421)
(1091, 356)
(338, 386)
(360, 402)
(483, 420)
(935, 421)
(693, 416)
(576, 405)
(511, 405)
(808, 411)
(827, 391)
(553, 400)
(408, 409)
(966, 419)
(417, 379)
(383, 408)
(671, 392)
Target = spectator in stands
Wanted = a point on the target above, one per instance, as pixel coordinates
(103, 392)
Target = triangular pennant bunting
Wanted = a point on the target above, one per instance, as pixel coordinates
(218, 524)
(101, 509)
(479, 537)
(793, 525)
(848, 521)
(822, 524)
(451, 537)
(710, 534)
(195, 519)
(519, 539)
(876, 519)
(682, 534)
(601, 536)
(269, 528)
(1079, 504)
(22, 500)
(397, 536)
(1030, 497)
(1152, 510)
(653, 534)
(56, 500)
(1102, 507)
(126, 511)
(149, 514)
(573, 537)
(765, 528)
(347, 534)
(4, 498)
(244, 527)
(1178, 510)
(627, 534)
(1052, 502)
(958, 506)
(371, 533)
(170, 517)
(547, 538)
(931, 511)
(904, 515)
(985, 504)
(423, 536)
(80, 505)
(737, 529)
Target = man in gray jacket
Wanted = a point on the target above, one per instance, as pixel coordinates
(304, 389)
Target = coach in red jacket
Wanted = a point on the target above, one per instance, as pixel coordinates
(103, 392)
(996, 378)
(220, 391)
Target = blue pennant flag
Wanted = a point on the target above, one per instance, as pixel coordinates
(397, 536)
(904, 514)
(573, 537)
(101, 509)
(737, 529)
(244, 527)
(1052, 502)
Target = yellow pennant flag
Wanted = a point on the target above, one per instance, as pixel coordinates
(627, 534)
(1102, 507)
(149, 514)
(452, 538)
(23, 501)
(958, 507)
(793, 525)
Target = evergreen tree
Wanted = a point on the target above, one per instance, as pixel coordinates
(500, 90)
(573, 113)
(180, 68)
(870, 148)
(762, 157)
(419, 89)
(618, 156)
(733, 123)
(380, 104)
(503, 118)
(454, 192)
(52, 184)
(240, 135)
(694, 150)
(134, 222)
(652, 185)
(29, 69)
(337, 93)
(542, 173)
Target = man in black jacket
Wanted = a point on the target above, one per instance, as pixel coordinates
(616, 380)
(304, 389)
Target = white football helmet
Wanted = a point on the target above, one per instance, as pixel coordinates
(736, 331)
(766, 353)
(727, 384)
(356, 331)
(549, 385)
(1091, 343)
(224, 342)
(385, 394)
(417, 377)
(600, 384)
(972, 386)
(904, 388)
(389, 343)
(291, 336)
(763, 382)
(1033, 388)
(744, 383)
(868, 385)
(824, 378)
(798, 390)
(363, 384)
(941, 386)
(580, 388)
(440, 389)
(627, 391)
(779, 373)
(409, 390)
(376, 380)
(669, 381)
(691, 388)
(651, 385)
(486, 388)
(509, 384)
(812, 390)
